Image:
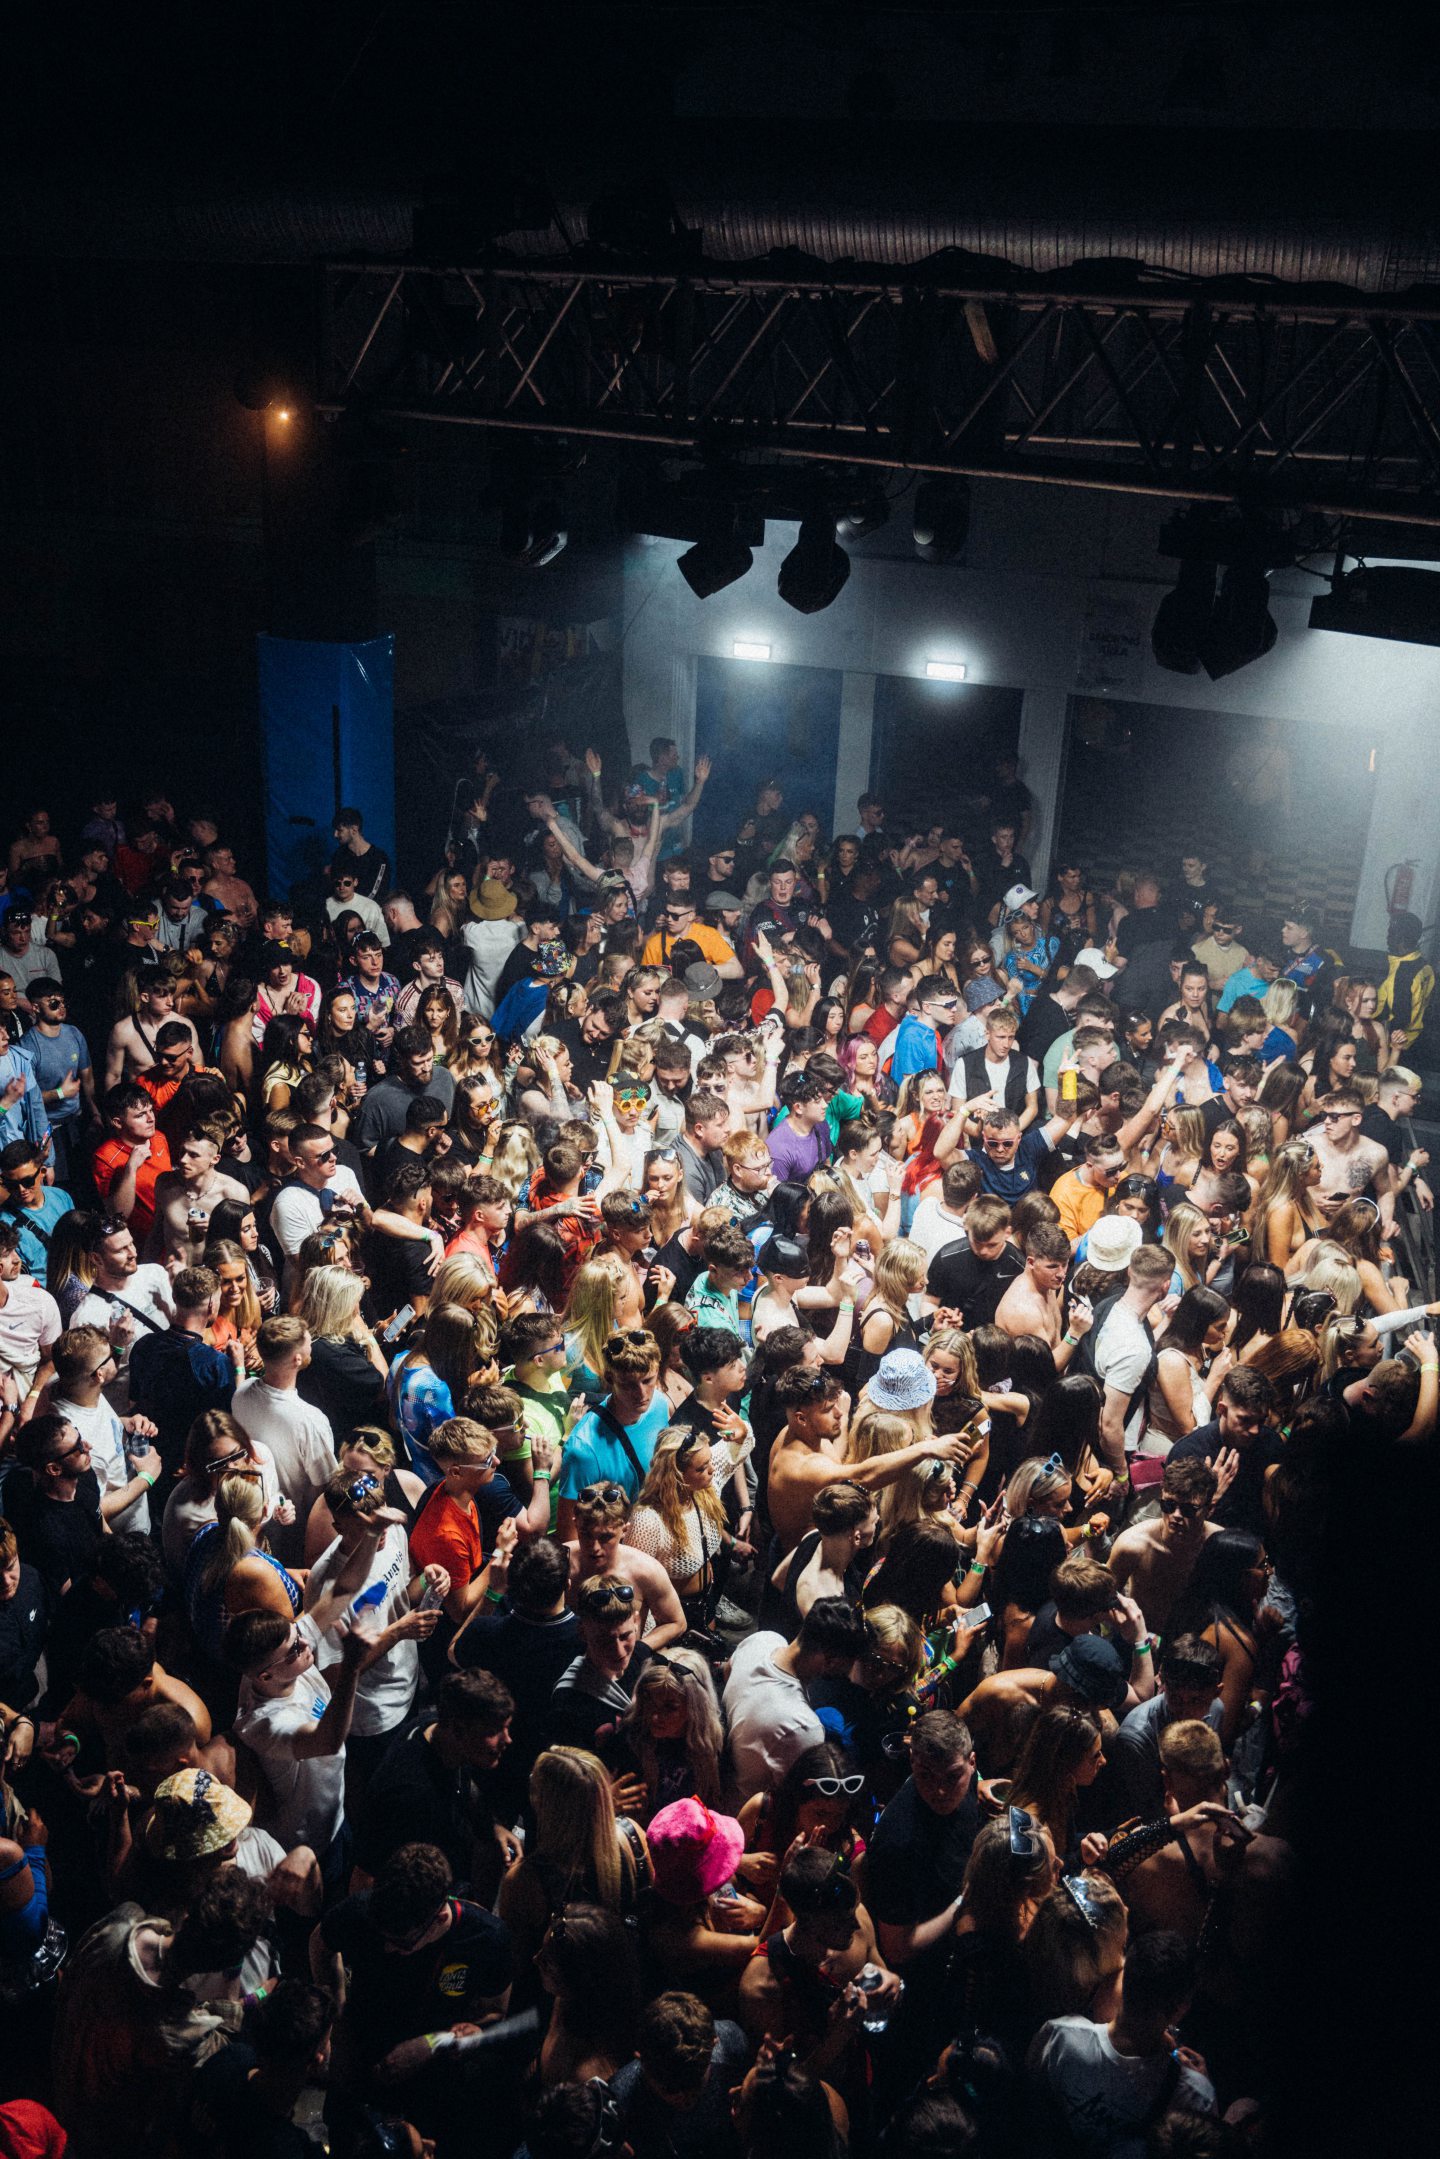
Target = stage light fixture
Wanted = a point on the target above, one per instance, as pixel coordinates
(1387, 600)
(815, 570)
(1241, 627)
(1183, 617)
(531, 533)
(945, 670)
(717, 560)
(941, 519)
(864, 515)
(747, 648)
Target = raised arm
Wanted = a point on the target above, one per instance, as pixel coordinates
(691, 802)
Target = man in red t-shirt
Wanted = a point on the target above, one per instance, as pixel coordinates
(896, 984)
(130, 1158)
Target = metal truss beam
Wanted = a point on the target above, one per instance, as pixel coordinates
(1289, 397)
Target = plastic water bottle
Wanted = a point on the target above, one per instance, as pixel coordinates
(367, 1600)
(432, 1599)
(868, 1980)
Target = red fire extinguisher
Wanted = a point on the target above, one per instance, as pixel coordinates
(1399, 884)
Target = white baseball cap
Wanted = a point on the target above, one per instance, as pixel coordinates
(1016, 897)
(1093, 958)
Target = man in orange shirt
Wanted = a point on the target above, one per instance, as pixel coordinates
(130, 1159)
(678, 919)
(1080, 1193)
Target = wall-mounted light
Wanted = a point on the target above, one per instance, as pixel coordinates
(746, 648)
(945, 670)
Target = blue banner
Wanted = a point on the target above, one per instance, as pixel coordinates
(327, 723)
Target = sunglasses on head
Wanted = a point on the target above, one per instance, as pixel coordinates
(598, 1601)
(1084, 1899)
(1054, 1467)
(1025, 1839)
(832, 1787)
(635, 1336)
(659, 1661)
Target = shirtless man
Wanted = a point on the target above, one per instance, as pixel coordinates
(1152, 1560)
(1173, 1887)
(808, 1453)
(601, 1513)
(235, 896)
(1000, 1711)
(1031, 1305)
(186, 1196)
(131, 1048)
(1349, 1163)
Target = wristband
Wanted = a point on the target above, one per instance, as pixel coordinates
(494, 1596)
(74, 1739)
(977, 1566)
(1072, 1339)
(547, 1474)
(1432, 1366)
(1144, 1647)
(147, 1480)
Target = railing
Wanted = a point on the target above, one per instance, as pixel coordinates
(1415, 1234)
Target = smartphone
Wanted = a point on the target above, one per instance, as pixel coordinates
(973, 1616)
(398, 1324)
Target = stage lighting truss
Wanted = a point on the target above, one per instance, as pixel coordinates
(1286, 395)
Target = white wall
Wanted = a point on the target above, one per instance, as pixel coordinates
(1016, 614)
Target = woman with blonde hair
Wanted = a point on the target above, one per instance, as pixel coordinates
(1355, 1230)
(1190, 1241)
(1329, 1269)
(679, 1518)
(885, 1324)
(604, 1299)
(369, 1451)
(514, 1156)
(1256, 1122)
(1280, 1004)
(671, 1206)
(347, 1370)
(875, 1432)
(229, 1569)
(215, 1447)
(462, 1278)
(1176, 1161)
(671, 1736)
(1285, 1211)
(579, 1849)
(239, 1316)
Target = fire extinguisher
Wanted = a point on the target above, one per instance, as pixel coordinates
(1399, 884)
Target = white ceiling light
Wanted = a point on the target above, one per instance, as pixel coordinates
(746, 648)
(945, 670)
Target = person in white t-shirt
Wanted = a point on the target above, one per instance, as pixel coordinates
(124, 1295)
(297, 1434)
(371, 1553)
(296, 1718)
(940, 1216)
(321, 1187)
(1110, 2083)
(84, 1361)
(29, 1317)
(766, 1708)
(1124, 1352)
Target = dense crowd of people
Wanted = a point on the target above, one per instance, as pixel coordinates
(666, 1493)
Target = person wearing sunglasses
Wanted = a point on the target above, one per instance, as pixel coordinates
(57, 1521)
(1153, 1560)
(61, 1058)
(122, 1453)
(791, 1990)
(31, 1204)
(821, 1797)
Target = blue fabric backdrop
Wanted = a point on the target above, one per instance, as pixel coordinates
(328, 738)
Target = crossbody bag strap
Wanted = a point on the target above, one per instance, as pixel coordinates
(612, 1424)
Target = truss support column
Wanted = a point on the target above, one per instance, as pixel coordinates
(1043, 734)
